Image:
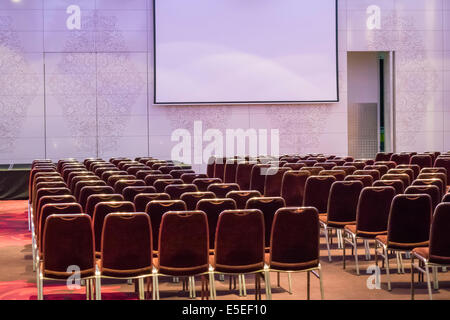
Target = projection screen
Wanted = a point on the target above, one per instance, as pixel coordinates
(245, 51)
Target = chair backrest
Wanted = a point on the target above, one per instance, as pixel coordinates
(446, 198)
(258, 177)
(213, 208)
(313, 171)
(176, 174)
(357, 165)
(109, 173)
(190, 177)
(75, 177)
(229, 175)
(141, 174)
(150, 179)
(156, 209)
(63, 234)
(343, 201)
(48, 171)
(210, 167)
(244, 174)
(374, 173)
(409, 220)
(176, 190)
(51, 199)
(382, 169)
(347, 169)
(54, 208)
(67, 170)
(293, 187)
(129, 193)
(308, 163)
(439, 235)
(443, 163)
(183, 243)
(317, 190)
(242, 196)
(85, 183)
(48, 192)
(325, 165)
(389, 164)
(407, 171)
(93, 199)
(101, 210)
(294, 166)
(426, 182)
(400, 158)
(123, 183)
(274, 178)
(373, 209)
(414, 167)
(167, 169)
(431, 190)
(396, 184)
(203, 183)
(192, 198)
(436, 175)
(295, 238)
(219, 168)
(367, 180)
(126, 245)
(142, 199)
(338, 174)
(402, 176)
(383, 156)
(90, 190)
(116, 177)
(135, 169)
(239, 241)
(221, 189)
(423, 160)
(268, 206)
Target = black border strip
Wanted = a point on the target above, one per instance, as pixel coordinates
(243, 102)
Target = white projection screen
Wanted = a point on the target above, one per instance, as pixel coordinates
(245, 51)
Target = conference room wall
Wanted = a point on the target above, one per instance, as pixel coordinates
(98, 93)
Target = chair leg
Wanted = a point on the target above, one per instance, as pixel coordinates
(290, 283)
(267, 284)
(339, 238)
(355, 245)
(212, 286)
(367, 248)
(98, 288)
(343, 251)
(308, 285)
(398, 262)
(386, 259)
(88, 286)
(155, 287)
(257, 286)
(278, 279)
(244, 289)
(435, 278)
(240, 285)
(427, 272)
(141, 288)
(321, 283)
(328, 244)
(412, 277)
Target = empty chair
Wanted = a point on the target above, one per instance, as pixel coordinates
(161, 184)
(242, 196)
(104, 166)
(240, 246)
(293, 187)
(244, 173)
(85, 183)
(156, 209)
(87, 191)
(192, 198)
(168, 169)
(357, 165)
(229, 175)
(93, 199)
(151, 178)
(436, 175)
(341, 210)
(67, 171)
(366, 180)
(347, 169)
(114, 178)
(135, 169)
(62, 234)
(126, 249)
(142, 199)
(190, 177)
(389, 164)
(317, 190)
(221, 189)
(74, 177)
(274, 178)
(116, 160)
(407, 171)
(294, 246)
(408, 227)
(183, 248)
(400, 158)
(219, 168)
(210, 167)
(124, 165)
(141, 174)
(375, 174)
(107, 174)
(203, 183)
(124, 183)
(423, 160)
(338, 174)
(402, 176)
(258, 177)
(442, 162)
(431, 190)
(426, 182)
(176, 174)
(372, 215)
(414, 167)
(213, 208)
(101, 210)
(176, 190)
(437, 254)
(131, 191)
(434, 170)
(381, 168)
(446, 198)
(383, 156)
(313, 171)
(268, 206)
(396, 184)
(46, 192)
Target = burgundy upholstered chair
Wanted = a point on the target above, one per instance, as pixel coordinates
(242, 196)
(367, 180)
(129, 193)
(176, 190)
(221, 189)
(396, 184)
(93, 199)
(293, 187)
(142, 199)
(192, 198)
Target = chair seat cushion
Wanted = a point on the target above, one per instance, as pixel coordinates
(117, 273)
(334, 224)
(363, 234)
(180, 271)
(282, 266)
(424, 252)
(236, 269)
(399, 245)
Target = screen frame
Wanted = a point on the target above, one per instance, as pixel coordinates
(155, 102)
